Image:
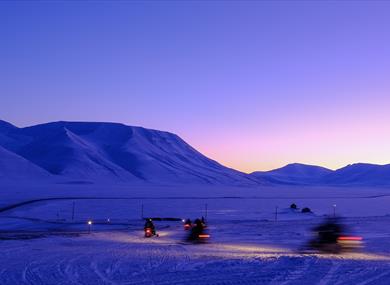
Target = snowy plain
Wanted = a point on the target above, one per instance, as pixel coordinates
(42, 244)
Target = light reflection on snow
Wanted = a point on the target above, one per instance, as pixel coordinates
(239, 250)
(131, 238)
(253, 248)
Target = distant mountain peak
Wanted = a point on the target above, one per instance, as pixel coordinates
(296, 165)
(297, 169)
(352, 174)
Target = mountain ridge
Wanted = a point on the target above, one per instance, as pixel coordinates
(365, 174)
(96, 152)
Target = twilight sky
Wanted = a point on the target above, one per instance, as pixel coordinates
(254, 85)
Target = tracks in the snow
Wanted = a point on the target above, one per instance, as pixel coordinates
(117, 258)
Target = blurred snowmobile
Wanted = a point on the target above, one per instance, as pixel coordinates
(198, 233)
(187, 224)
(330, 237)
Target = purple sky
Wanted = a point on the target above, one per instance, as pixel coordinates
(254, 85)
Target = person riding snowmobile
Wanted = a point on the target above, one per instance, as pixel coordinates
(149, 225)
(197, 233)
(327, 235)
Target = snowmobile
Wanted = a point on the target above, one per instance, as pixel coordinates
(149, 229)
(330, 238)
(198, 233)
(187, 225)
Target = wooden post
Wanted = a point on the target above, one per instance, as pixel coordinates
(276, 213)
(73, 205)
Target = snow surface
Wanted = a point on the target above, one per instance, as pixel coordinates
(42, 244)
(14, 167)
(123, 256)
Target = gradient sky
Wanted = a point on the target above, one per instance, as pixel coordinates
(254, 85)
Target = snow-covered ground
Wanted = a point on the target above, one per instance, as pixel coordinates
(41, 243)
(241, 252)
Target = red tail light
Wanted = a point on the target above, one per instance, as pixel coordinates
(350, 238)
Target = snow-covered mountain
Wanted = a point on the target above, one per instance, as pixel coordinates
(300, 174)
(110, 152)
(360, 174)
(295, 173)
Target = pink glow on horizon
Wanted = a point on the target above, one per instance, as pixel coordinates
(329, 143)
